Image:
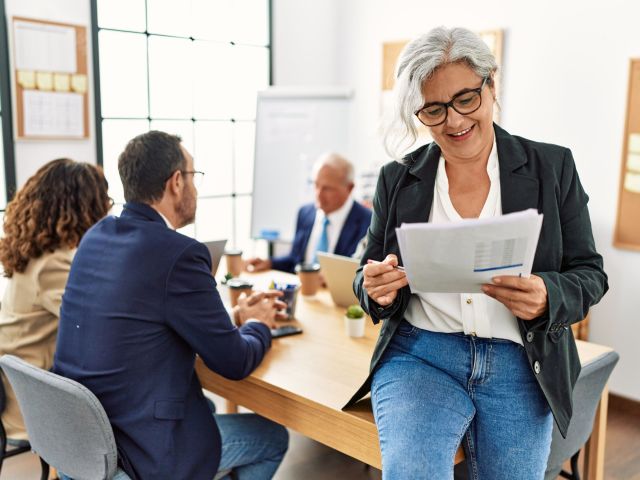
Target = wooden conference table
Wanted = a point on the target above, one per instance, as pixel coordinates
(305, 380)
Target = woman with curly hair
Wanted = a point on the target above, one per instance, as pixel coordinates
(43, 225)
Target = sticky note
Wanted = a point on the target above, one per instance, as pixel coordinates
(79, 83)
(61, 82)
(27, 79)
(632, 182)
(634, 142)
(44, 81)
(633, 162)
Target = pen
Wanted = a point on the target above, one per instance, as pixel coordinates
(399, 267)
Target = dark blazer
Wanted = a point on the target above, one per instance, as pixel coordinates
(354, 229)
(532, 175)
(139, 304)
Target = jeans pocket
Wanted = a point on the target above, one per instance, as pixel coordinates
(405, 329)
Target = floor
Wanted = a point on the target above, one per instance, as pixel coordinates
(310, 460)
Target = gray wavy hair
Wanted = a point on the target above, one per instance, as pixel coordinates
(417, 63)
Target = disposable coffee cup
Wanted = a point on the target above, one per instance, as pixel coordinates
(309, 275)
(236, 287)
(234, 262)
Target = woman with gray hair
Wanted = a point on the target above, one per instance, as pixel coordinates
(489, 370)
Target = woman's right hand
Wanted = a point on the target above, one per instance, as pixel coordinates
(382, 280)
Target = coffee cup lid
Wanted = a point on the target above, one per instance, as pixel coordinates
(308, 267)
(233, 251)
(239, 283)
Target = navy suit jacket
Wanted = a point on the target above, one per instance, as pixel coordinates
(139, 304)
(354, 229)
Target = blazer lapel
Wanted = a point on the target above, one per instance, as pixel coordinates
(307, 228)
(349, 229)
(519, 190)
(415, 190)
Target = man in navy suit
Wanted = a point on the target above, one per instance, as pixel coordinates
(139, 304)
(335, 223)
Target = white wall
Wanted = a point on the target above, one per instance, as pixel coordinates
(565, 80)
(306, 36)
(31, 154)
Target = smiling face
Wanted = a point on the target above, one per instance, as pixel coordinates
(462, 138)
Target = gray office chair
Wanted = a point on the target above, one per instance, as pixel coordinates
(586, 396)
(66, 424)
(19, 446)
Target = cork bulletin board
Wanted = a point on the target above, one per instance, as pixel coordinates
(50, 74)
(627, 233)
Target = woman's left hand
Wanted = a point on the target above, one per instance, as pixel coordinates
(525, 297)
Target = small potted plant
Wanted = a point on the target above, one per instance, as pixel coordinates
(354, 321)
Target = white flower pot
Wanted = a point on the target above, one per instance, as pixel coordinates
(354, 326)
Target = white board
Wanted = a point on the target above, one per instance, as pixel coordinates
(293, 127)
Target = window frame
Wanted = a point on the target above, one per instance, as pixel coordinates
(99, 118)
(7, 111)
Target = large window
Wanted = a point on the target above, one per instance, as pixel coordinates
(190, 68)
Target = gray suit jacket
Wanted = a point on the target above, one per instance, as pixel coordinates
(532, 175)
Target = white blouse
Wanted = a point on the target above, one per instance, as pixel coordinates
(471, 313)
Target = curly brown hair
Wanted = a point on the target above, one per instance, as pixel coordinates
(53, 209)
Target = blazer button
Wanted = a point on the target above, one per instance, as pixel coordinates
(536, 367)
(529, 337)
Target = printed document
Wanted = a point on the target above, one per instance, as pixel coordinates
(458, 257)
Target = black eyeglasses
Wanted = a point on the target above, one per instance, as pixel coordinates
(465, 102)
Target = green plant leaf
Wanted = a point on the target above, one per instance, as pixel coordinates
(355, 311)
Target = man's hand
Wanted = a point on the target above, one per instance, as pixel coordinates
(525, 297)
(258, 264)
(261, 306)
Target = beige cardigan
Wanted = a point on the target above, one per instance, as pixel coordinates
(29, 321)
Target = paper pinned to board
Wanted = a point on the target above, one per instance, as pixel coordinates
(27, 79)
(633, 162)
(458, 257)
(53, 114)
(632, 182)
(634, 143)
(61, 82)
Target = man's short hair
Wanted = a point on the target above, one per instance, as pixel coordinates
(337, 161)
(146, 164)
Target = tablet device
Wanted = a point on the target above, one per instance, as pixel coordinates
(216, 249)
(338, 272)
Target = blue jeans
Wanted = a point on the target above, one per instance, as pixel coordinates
(251, 445)
(431, 391)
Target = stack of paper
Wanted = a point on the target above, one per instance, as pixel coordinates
(458, 257)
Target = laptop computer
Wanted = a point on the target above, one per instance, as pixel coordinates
(338, 272)
(216, 250)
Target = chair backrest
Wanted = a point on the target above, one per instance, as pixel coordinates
(66, 423)
(586, 396)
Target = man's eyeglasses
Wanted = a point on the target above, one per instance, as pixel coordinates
(465, 102)
(197, 176)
